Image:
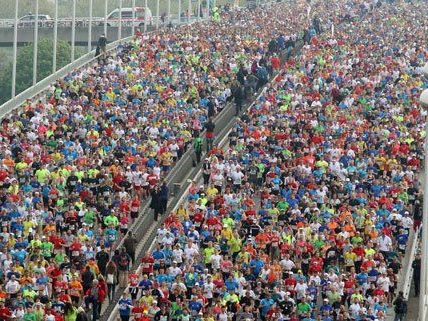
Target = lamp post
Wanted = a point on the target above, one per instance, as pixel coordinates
(424, 264)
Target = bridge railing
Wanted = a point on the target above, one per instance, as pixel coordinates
(84, 22)
(408, 276)
(38, 90)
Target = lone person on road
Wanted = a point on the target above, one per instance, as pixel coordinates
(197, 146)
(209, 134)
(416, 265)
(102, 43)
(130, 245)
(400, 307)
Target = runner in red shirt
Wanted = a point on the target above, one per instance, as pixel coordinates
(5, 313)
(147, 262)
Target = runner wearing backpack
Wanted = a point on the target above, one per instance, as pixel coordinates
(197, 147)
(124, 261)
(400, 307)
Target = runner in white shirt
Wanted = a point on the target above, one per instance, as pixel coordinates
(174, 270)
(190, 252)
(177, 254)
(208, 288)
(384, 243)
(300, 289)
(215, 260)
(12, 286)
(173, 148)
(287, 264)
(383, 282)
(237, 177)
(407, 221)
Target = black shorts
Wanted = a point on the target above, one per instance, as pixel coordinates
(134, 214)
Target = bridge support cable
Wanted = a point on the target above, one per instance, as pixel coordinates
(15, 48)
(133, 17)
(90, 26)
(119, 33)
(146, 15)
(36, 39)
(157, 14)
(55, 37)
(168, 19)
(105, 17)
(73, 30)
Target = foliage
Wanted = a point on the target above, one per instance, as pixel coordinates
(24, 70)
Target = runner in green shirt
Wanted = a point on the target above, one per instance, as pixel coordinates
(303, 307)
(111, 219)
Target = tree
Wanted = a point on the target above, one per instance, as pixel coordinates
(24, 66)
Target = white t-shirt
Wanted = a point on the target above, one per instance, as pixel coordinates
(173, 148)
(215, 261)
(177, 255)
(237, 177)
(384, 283)
(384, 242)
(12, 286)
(287, 264)
(208, 290)
(190, 252)
(301, 290)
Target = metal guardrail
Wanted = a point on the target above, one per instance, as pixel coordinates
(408, 277)
(84, 22)
(37, 91)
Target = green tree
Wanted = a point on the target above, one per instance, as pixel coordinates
(24, 66)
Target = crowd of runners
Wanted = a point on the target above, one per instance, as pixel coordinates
(305, 215)
(78, 165)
